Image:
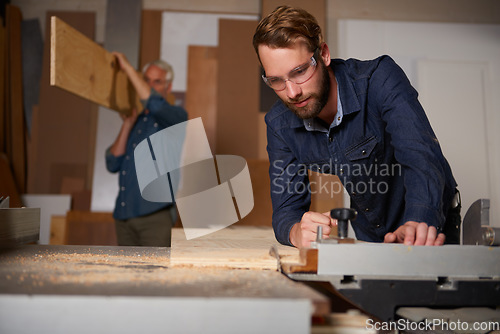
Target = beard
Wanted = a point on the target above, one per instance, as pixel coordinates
(317, 101)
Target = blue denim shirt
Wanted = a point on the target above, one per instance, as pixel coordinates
(129, 202)
(383, 150)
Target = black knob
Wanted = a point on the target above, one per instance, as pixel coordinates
(343, 215)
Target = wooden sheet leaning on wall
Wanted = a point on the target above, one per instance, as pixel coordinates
(201, 94)
(15, 125)
(84, 68)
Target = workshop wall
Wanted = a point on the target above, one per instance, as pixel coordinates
(78, 168)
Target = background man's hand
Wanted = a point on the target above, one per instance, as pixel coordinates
(122, 60)
(305, 231)
(418, 234)
(130, 119)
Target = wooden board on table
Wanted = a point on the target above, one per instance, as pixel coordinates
(236, 247)
(84, 68)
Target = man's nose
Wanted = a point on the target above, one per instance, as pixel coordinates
(292, 89)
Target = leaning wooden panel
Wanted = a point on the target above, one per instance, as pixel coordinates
(16, 145)
(3, 52)
(238, 77)
(84, 68)
(150, 36)
(201, 94)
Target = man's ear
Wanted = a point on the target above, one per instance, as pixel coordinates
(325, 54)
(169, 88)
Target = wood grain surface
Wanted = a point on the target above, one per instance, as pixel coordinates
(84, 68)
(236, 247)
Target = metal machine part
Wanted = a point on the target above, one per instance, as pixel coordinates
(343, 216)
(476, 225)
(380, 278)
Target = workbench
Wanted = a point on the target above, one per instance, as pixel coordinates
(93, 289)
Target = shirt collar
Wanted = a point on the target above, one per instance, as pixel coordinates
(312, 124)
(345, 92)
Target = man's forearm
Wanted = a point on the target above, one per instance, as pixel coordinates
(141, 87)
(119, 147)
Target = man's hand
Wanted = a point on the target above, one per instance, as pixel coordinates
(418, 234)
(122, 60)
(119, 147)
(141, 87)
(130, 119)
(305, 231)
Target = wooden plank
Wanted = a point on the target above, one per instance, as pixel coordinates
(201, 93)
(236, 247)
(64, 121)
(237, 90)
(80, 200)
(60, 171)
(72, 184)
(262, 212)
(150, 36)
(3, 59)
(327, 192)
(84, 68)
(8, 187)
(90, 228)
(17, 149)
(58, 230)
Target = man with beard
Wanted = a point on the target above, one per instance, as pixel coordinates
(139, 222)
(360, 120)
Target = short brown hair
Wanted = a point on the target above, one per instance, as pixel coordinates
(284, 26)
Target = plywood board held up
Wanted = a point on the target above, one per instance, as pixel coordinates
(84, 68)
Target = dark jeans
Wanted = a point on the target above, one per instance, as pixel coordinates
(153, 230)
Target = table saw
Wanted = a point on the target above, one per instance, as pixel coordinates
(390, 281)
(93, 289)
(240, 280)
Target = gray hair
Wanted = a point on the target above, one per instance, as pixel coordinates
(164, 66)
